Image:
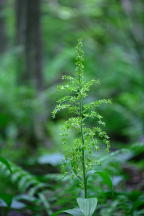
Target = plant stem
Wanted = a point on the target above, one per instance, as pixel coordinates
(83, 145)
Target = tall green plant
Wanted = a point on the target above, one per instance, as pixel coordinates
(88, 138)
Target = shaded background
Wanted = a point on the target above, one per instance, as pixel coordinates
(37, 46)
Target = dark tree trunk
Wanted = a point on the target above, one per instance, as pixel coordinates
(3, 35)
(33, 43)
(33, 57)
(29, 38)
(20, 21)
(20, 9)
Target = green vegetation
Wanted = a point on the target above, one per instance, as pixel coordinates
(80, 151)
(48, 166)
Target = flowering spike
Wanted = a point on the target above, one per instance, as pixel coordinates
(81, 139)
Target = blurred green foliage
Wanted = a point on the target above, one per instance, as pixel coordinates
(114, 45)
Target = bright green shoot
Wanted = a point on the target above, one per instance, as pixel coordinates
(88, 139)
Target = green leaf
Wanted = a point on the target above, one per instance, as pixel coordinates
(7, 199)
(87, 206)
(138, 203)
(74, 212)
(6, 163)
(17, 205)
(57, 213)
(104, 175)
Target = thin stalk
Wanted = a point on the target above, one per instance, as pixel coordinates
(83, 143)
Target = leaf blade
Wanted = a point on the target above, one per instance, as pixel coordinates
(87, 206)
(74, 212)
(6, 163)
(104, 175)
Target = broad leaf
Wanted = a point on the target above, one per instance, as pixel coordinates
(74, 212)
(104, 175)
(87, 206)
(53, 159)
(17, 205)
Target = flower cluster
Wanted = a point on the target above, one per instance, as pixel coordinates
(87, 138)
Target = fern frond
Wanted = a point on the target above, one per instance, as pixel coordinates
(26, 183)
